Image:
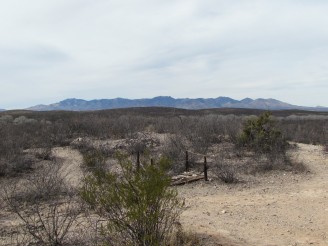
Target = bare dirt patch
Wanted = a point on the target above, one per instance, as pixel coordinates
(282, 208)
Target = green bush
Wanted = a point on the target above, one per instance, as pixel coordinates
(139, 206)
(260, 134)
(94, 160)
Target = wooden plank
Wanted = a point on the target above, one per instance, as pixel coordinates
(185, 180)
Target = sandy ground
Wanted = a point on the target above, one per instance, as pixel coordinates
(280, 209)
(72, 160)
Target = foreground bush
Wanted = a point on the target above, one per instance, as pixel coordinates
(47, 208)
(139, 207)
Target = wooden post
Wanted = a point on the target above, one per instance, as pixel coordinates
(138, 161)
(187, 162)
(205, 169)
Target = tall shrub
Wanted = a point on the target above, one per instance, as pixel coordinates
(261, 134)
(139, 206)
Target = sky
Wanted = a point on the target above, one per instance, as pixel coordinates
(92, 49)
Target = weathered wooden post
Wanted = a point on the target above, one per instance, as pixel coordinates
(187, 162)
(205, 169)
(138, 161)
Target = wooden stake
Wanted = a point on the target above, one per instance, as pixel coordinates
(205, 169)
(138, 161)
(187, 162)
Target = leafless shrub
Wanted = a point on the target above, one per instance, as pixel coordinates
(226, 173)
(11, 164)
(47, 208)
(19, 236)
(309, 129)
(183, 238)
(199, 132)
(167, 124)
(43, 153)
(224, 170)
(127, 126)
(47, 182)
(175, 147)
(232, 127)
(23, 120)
(50, 223)
(265, 162)
(6, 119)
(260, 163)
(82, 144)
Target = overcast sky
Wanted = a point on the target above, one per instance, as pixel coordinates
(51, 50)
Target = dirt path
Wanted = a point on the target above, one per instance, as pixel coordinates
(72, 160)
(283, 209)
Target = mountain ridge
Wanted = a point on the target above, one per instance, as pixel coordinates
(74, 104)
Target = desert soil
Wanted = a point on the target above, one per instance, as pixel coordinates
(278, 208)
(282, 208)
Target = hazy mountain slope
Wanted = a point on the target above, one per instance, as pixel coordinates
(165, 101)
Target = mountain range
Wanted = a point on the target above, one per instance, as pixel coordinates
(74, 104)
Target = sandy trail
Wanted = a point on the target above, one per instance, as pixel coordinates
(284, 209)
(71, 168)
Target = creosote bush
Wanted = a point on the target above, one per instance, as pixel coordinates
(260, 134)
(139, 206)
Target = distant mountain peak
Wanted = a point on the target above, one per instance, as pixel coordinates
(247, 100)
(74, 104)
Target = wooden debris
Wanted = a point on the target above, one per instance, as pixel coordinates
(186, 177)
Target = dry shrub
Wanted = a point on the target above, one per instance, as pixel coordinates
(309, 129)
(224, 170)
(47, 207)
(50, 223)
(47, 182)
(280, 162)
(12, 165)
(183, 238)
(82, 144)
(175, 149)
(232, 127)
(226, 173)
(43, 153)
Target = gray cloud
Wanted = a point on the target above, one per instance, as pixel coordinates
(51, 50)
